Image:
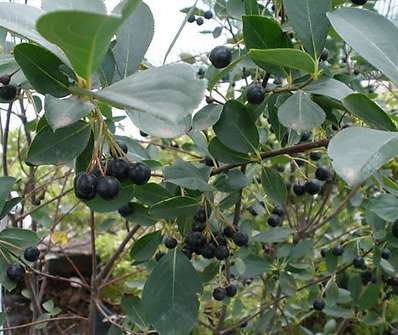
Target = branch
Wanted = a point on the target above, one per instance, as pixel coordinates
(5, 138)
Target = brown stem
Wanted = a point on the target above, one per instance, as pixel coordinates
(93, 299)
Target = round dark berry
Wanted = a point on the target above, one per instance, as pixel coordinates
(366, 277)
(31, 254)
(209, 100)
(118, 168)
(229, 232)
(221, 252)
(243, 324)
(108, 187)
(240, 239)
(386, 253)
(220, 57)
(159, 255)
(255, 94)
(299, 189)
(143, 134)
(208, 250)
(312, 187)
(274, 220)
(15, 272)
(187, 251)
(359, 2)
(315, 156)
(324, 55)
(278, 211)
(200, 215)
(8, 92)
(207, 161)
(324, 252)
(252, 211)
(305, 137)
(85, 186)
(356, 72)
(394, 229)
(322, 173)
(170, 242)
(139, 173)
(5, 79)
(219, 293)
(199, 21)
(191, 19)
(198, 226)
(195, 239)
(126, 210)
(318, 304)
(208, 14)
(338, 250)
(231, 290)
(359, 262)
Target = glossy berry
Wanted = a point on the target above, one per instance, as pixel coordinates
(118, 168)
(159, 255)
(208, 251)
(85, 186)
(5, 79)
(8, 92)
(208, 14)
(324, 55)
(278, 211)
(200, 215)
(324, 252)
(386, 253)
(299, 189)
(139, 173)
(198, 226)
(229, 232)
(187, 252)
(255, 94)
(366, 277)
(312, 187)
(322, 173)
(315, 156)
(274, 220)
(108, 187)
(143, 134)
(231, 290)
(170, 242)
(221, 252)
(194, 239)
(207, 161)
(31, 254)
(191, 19)
(126, 210)
(394, 229)
(199, 21)
(220, 57)
(338, 250)
(359, 2)
(359, 262)
(240, 239)
(15, 272)
(219, 293)
(318, 304)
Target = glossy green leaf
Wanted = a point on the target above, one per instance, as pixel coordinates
(370, 296)
(385, 206)
(174, 207)
(274, 235)
(17, 239)
(231, 181)
(84, 159)
(64, 112)
(371, 35)
(8, 206)
(59, 147)
(236, 129)
(274, 185)
(309, 21)
(206, 117)
(290, 58)
(134, 309)
(6, 184)
(225, 155)
(87, 6)
(144, 248)
(300, 113)
(151, 193)
(42, 69)
(329, 87)
(100, 205)
(171, 295)
(357, 153)
(368, 111)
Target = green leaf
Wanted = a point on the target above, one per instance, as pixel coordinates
(21, 20)
(385, 206)
(236, 129)
(337, 312)
(174, 207)
(370, 297)
(9, 205)
(274, 185)
(145, 247)
(151, 193)
(290, 58)
(187, 175)
(133, 308)
(233, 180)
(368, 111)
(309, 21)
(62, 113)
(387, 267)
(100, 205)
(274, 235)
(371, 35)
(226, 155)
(42, 69)
(300, 113)
(160, 101)
(357, 153)
(170, 295)
(17, 239)
(84, 159)
(87, 6)
(329, 87)
(206, 117)
(59, 147)
(133, 39)
(6, 184)
(141, 215)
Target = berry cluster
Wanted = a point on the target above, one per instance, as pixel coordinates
(199, 20)
(16, 272)
(107, 185)
(220, 293)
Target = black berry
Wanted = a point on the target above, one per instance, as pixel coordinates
(386, 253)
(118, 168)
(191, 19)
(231, 290)
(324, 55)
(359, 262)
(394, 229)
(274, 220)
(255, 94)
(85, 186)
(170, 242)
(8, 92)
(199, 21)
(194, 239)
(208, 14)
(229, 232)
(208, 251)
(139, 173)
(299, 189)
(219, 293)
(198, 226)
(15, 272)
(159, 255)
(126, 210)
(324, 252)
(240, 239)
(278, 211)
(315, 156)
(318, 304)
(220, 57)
(221, 252)
(338, 250)
(108, 187)
(200, 215)
(31, 254)
(312, 187)
(143, 134)
(366, 277)
(359, 2)
(322, 173)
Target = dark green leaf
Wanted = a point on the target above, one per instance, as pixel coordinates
(145, 247)
(274, 185)
(174, 207)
